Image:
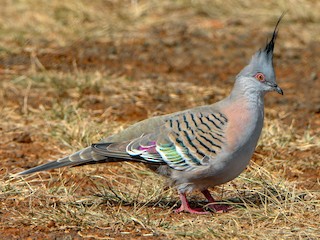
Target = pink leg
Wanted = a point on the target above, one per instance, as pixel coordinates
(185, 207)
(213, 206)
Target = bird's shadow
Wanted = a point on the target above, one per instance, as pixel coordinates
(243, 199)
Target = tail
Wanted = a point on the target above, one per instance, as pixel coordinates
(81, 157)
(97, 153)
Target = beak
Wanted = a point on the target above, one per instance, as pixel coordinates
(278, 89)
(275, 87)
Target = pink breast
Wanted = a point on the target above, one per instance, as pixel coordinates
(239, 121)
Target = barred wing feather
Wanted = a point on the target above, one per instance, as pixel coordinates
(185, 142)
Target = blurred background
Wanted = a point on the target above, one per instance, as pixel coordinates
(72, 72)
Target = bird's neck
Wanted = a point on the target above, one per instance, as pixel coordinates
(254, 98)
(244, 109)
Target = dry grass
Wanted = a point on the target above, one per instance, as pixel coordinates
(52, 104)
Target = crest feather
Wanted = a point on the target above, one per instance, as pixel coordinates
(270, 45)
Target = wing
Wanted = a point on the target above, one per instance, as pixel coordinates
(185, 141)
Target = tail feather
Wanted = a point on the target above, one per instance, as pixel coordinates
(47, 166)
(97, 153)
(79, 158)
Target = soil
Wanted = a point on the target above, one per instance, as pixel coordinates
(209, 54)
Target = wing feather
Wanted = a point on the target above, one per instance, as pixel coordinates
(185, 142)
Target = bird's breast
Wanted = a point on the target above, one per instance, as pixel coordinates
(244, 125)
(241, 137)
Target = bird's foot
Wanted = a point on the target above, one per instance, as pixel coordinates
(190, 210)
(212, 205)
(218, 208)
(185, 207)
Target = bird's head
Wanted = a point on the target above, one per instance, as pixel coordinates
(259, 73)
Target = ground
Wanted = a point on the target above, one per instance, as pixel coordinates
(75, 71)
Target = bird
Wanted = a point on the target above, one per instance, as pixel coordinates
(197, 148)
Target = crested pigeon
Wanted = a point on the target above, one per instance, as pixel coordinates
(196, 148)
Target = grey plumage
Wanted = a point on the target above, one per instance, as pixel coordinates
(197, 148)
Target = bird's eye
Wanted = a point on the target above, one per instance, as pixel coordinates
(260, 77)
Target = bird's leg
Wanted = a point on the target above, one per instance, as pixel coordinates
(185, 207)
(212, 205)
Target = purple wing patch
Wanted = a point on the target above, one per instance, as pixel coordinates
(150, 148)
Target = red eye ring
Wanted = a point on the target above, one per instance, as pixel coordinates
(260, 77)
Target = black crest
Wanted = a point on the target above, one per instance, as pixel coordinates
(270, 45)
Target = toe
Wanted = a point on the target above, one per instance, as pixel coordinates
(218, 208)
